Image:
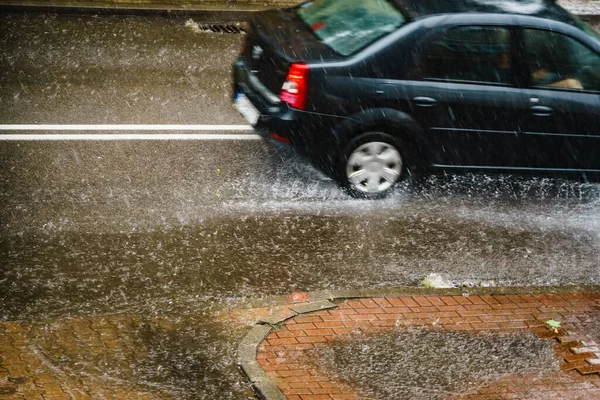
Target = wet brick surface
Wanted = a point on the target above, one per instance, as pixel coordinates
(284, 354)
(66, 359)
(125, 356)
(95, 357)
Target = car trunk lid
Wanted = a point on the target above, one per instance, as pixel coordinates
(275, 40)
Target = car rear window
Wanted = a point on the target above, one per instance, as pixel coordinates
(347, 26)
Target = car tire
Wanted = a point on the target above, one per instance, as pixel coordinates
(371, 165)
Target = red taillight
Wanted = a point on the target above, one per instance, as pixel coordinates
(295, 86)
(280, 138)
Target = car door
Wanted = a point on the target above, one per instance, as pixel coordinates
(467, 96)
(561, 126)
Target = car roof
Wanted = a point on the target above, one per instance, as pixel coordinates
(536, 8)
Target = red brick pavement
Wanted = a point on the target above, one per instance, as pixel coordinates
(283, 353)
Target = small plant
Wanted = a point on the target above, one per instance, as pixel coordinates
(554, 325)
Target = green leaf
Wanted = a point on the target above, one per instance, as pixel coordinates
(553, 323)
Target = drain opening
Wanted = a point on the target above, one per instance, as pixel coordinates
(222, 28)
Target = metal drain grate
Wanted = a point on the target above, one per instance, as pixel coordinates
(223, 28)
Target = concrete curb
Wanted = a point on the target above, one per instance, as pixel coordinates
(166, 10)
(201, 15)
(589, 17)
(262, 385)
(266, 389)
(331, 295)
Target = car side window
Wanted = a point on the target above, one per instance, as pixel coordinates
(555, 60)
(469, 53)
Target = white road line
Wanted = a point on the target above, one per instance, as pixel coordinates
(123, 127)
(129, 136)
(126, 136)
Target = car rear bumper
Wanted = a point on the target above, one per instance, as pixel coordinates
(306, 130)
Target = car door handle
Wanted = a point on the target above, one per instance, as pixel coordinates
(425, 101)
(542, 111)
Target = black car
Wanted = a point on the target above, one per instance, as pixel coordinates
(376, 89)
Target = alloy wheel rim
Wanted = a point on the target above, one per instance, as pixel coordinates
(374, 167)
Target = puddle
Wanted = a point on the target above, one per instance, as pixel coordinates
(431, 365)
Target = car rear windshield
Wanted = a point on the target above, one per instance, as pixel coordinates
(349, 25)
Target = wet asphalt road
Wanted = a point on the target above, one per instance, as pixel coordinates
(102, 70)
(174, 227)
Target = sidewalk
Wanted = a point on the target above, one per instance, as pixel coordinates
(201, 10)
(283, 353)
(232, 9)
(288, 363)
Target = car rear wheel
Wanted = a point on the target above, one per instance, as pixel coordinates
(372, 165)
